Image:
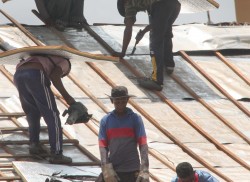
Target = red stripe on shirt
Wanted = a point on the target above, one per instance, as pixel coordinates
(103, 143)
(120, 132)
(142, 140)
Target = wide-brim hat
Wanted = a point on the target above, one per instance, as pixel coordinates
(121, 7)
(119, 92)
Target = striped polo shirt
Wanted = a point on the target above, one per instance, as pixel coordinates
(122, 136)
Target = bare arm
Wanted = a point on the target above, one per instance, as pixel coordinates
(55, 77)
(129, 22)
(144, 157)
(104, 155)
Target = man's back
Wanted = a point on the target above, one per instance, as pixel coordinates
(200, 176)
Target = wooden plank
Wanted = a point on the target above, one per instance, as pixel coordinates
(10, 178)
(13, 129)
(15, 114)
(4, 165)
(13, 56)
(16, 156)
(54, 30)
(13, 142)
(214, 83)
(21, 28)
(233, 68)
(37, 172)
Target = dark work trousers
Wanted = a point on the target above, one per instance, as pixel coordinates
(162, 16)
(38, 100)
(124, 176)
(65, 10)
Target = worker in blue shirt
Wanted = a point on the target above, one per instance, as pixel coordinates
(185, 173)
(121, 132)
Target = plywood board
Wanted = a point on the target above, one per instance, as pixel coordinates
(38, 172)
(14, 56)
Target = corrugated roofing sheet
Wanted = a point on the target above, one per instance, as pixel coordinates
(198, 114)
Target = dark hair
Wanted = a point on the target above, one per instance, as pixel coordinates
(184, 170)
(120, 7)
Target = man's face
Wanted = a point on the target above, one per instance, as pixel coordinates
(187, 179)
(120, 104)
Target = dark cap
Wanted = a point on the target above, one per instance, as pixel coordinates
(120, 7)
(119, 91)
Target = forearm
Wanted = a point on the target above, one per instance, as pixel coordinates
(126, 38)
(144, 157)
(57, 82)
(104, 155)
(68, 98)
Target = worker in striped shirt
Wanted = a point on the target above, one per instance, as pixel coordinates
(121, 131)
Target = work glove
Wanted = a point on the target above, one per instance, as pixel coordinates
(78, 113)
(109, 174)
(143, 176)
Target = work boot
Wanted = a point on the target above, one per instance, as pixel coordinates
(169, 70)
(170, 67)
(37, 149)
(59, 159)
(150, 84)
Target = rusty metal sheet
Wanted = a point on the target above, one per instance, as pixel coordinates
(209, 122)
(173, 122)
(163, 174)
(229, 111)
(236, 173)
(224, 76)
(212, 154)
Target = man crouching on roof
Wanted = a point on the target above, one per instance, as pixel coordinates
(33, 78)
(120, 132)
(62, 13)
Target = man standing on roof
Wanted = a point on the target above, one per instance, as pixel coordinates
(162, 14)
(185, 173)
(62, 13)
(120, 132)
(33, 78)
